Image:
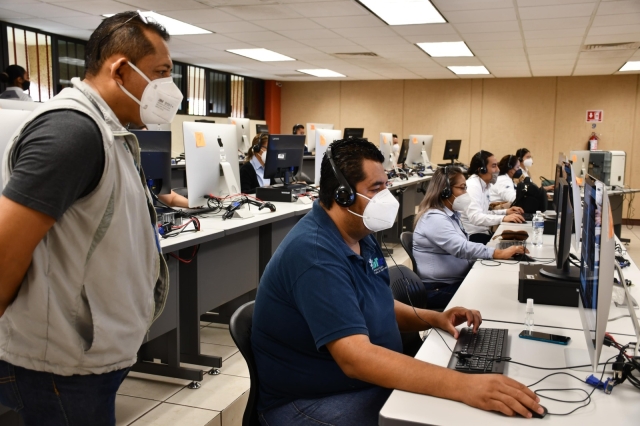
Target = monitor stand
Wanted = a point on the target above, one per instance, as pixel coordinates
(230, 178)
(568, 273)
(425, 160)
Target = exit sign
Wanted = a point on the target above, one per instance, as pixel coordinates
(595, 116)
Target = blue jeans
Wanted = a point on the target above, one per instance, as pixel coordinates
(439, 295)
(48, 399)
(359, 408)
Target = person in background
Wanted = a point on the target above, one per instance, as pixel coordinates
(326, 329)
(17, 81)
(476, 216)
(252, 171)
(298, 129)
(504, 189)
(83, 282)
(445, 256)
(526, 161)
(395, 147)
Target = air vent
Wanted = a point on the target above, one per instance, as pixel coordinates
(291, 75)
(366, 54)
(610, 46)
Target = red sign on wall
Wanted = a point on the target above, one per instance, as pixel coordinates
(595, 116)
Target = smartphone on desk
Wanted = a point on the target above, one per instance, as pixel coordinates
(545, 337)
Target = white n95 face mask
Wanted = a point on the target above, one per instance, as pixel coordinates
(160, 99)
(528, 162)
(461, 202)
(381, 211)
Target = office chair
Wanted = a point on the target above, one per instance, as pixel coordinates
(406, 239)
(240, 328)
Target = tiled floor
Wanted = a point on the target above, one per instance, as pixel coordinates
(145, 400)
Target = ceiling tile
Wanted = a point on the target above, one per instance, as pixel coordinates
(329, 9)
(451, 5)
(612, 38)
(231, 27)
(430, 29)
(322, 33)
(365, 32)
(208, 16)
(487, 27)
(614, 20)
(12, 14)
(508, 35)
(433, 38)
(555, 24)
(82, 22)
(379, 41)
(350, 22)
(560, 41)
(495, 44)
(42, 10)
(556, 11)
(568, 32)
(258, 36)
(329, 42)
(553, 57)
(96, 7)
(529, 3)
(500, 53)
(515, 73)
(261, 12)
(485, 15)
(553, 50)
(205, 39)
(616, 29)
(619, 7)
(288, 24)
(164, 5)
(457, 61)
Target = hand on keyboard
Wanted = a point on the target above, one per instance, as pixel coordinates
(456, 316)
(494, 392)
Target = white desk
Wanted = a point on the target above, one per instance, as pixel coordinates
(621, 408)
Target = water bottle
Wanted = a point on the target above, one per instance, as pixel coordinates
(538, 229)
(528, 319)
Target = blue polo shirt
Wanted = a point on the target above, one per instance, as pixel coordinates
(315, 290)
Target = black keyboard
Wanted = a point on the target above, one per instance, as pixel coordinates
(482, 349)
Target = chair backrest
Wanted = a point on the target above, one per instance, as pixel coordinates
(407, 287)
(406, 239)
(240, 328)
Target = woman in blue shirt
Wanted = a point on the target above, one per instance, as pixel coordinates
(441, 247)
(252, 171)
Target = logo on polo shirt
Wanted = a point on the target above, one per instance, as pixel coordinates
(377, 264)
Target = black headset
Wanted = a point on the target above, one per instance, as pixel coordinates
(446, 192)
(483, 169)
(344, 195)
(511, 166)
(257, 147)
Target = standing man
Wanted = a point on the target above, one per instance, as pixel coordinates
(326, 330)
(81, 284)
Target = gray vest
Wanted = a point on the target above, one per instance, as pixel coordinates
(97, 279)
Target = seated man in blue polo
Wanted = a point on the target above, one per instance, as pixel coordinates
(326, 330)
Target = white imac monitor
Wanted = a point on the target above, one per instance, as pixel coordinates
(596, 269)
(580, 164)
(242, 133)
(324, 138)
(419, 144)
(386, 143)
(19, 105)
(311, 134)
(206, 148)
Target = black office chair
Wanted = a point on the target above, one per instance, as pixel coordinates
(406, 239)
(240, 328)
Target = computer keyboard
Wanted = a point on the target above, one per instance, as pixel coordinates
(505, 244)
(480, 351)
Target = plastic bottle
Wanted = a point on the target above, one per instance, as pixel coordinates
(528, 319)
(538, 229)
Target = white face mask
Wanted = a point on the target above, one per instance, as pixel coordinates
(263, 155)
(461, 202)
(160, 99)
(494, 178)
(381, 211)
(528, 162)
(396, 148)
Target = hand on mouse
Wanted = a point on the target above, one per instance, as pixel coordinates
(515, 210)
(508, 253)
(495, 392)
(514, 218)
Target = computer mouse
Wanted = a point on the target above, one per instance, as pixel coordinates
(268, 205)
(521, 257)
(537, 415)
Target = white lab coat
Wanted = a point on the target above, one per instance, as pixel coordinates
(503, 190)
(477, 218)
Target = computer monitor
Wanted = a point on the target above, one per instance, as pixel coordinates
(204, 120)
(242, 132)
(324, 138)
(208, 148)
(284, 157)
(558, 175)
(452, 149)
(580, 165)
(19, 105)
(386, 143)
(596, 267)
(576, 203)
(262, 128)
(155, 159)
(419, 144)
(404, 149)
(311, 134)
(563, 269)
(351, 133)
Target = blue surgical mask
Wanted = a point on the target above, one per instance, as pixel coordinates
(517, 174)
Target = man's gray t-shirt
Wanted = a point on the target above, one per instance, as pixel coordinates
(58, 159)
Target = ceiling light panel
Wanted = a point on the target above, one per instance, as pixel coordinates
(475, 70)
(631, 66)
(404, 12)
(322, 73)
(173, 26)
(262, 55)
(446, 49)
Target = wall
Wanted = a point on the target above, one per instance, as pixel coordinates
(546, 115)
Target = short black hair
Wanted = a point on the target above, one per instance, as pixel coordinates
(11, 74)
(521, 153)
(297, 127)
(478, 161)
(122, 33)
(394, 135)
(348, 155)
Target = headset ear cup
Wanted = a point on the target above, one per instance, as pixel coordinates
(256, 148)
(446, 193)
(344, 197)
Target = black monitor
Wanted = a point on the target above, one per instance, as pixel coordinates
(284, 156)
(563, 269)
(350, 133)
(404, 150)
(262, 128)
(559, 174)
(203, 120)
(451, 150)
(155, 159)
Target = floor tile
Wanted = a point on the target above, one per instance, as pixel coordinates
(235, 366)
(216, 393)
(129, 409)
(222, 351)
(158, 388)
(172, 415)
(216, 335)
(232, 415)
(218, 325)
